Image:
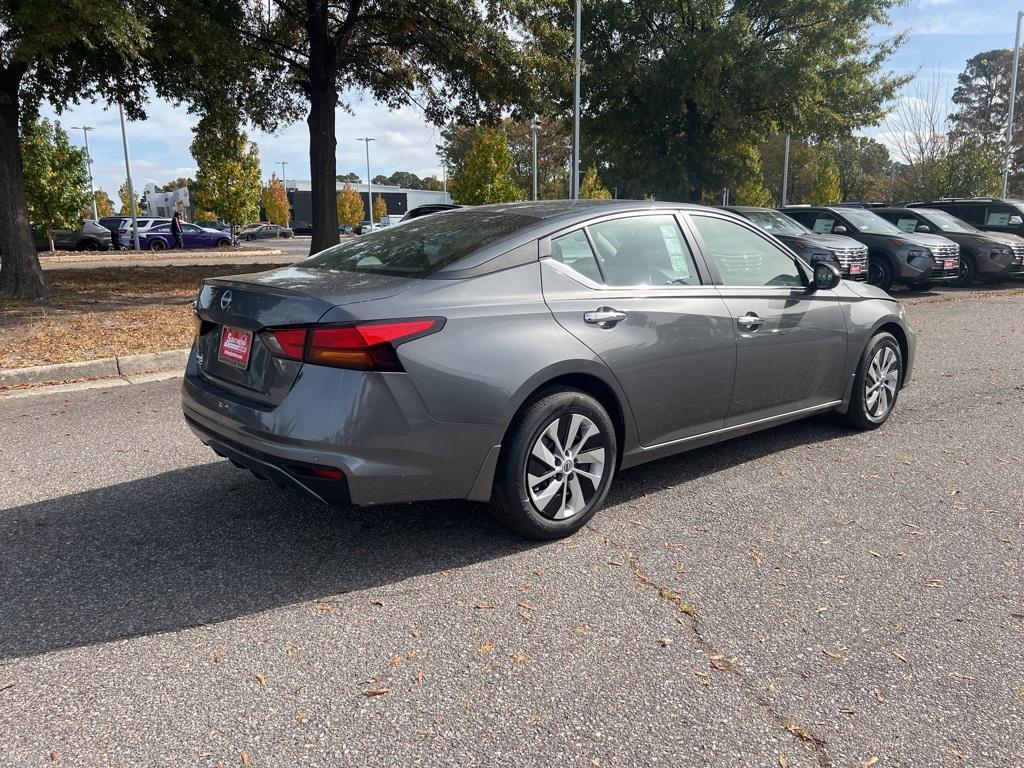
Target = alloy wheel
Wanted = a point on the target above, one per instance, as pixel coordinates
(880, 383)
(565, 466)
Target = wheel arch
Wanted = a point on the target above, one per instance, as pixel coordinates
(888, 326)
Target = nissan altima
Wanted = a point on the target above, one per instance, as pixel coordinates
(523, 354)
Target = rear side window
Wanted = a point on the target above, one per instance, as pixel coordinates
(643, 250)
(574, 251)
(973, 214)
(423, 245)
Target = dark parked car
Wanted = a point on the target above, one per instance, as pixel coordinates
(220, 226)
(427, 209)
(300, 227)
(992, 214)
(845, 253)
(363, 227)
(91, 236)
(895, 257)
(160, 237)
(266, 230)
(985, 256)
(523, 353)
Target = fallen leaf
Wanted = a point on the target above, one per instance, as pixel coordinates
(878, 696)
(412, 654)
(870, 761)
(583, 628)
(526, 606)
(665, 642)
(525, 615)
(486, 647)
(378, 603)
(245, 759)
(873, 553)
(420, 677)
(900, 656)
(484, 606)
(847, 711)
(414, 632)
(956, 753)
(395, 660)
(289, 651)
(217, 655)
(378, 691)
(832, 654)
(756, 557)
(300, 718)
(704, 677)
(782, 762)
(521, 658)
(962, 676)
(323, 607)
(54, 757)
(262, 680)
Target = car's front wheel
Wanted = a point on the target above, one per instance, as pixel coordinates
(877, 383)
(556, 465)
(880, 273)
(968, 271)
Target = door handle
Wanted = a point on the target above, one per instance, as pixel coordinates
(749, 321)
(606, 317)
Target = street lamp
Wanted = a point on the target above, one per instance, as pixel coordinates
(369, 195)
(534, 131)
(284, 179)
(785, 173)
(88, 163)
(128, 173)
(575, 181)
(1013, 101)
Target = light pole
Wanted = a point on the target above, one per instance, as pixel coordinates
(534, 131)
(284, 179)
(128, 173)
(575, 181)
(785, 173)
(1013, 100)
(369, 193)
(88, 162)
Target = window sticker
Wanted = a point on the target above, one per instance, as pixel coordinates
(907, 225)
(822, 226)
(670, 237)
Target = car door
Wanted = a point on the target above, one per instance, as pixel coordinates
(192, 236)
(790, 344)
(630, 288)
(1000, 217)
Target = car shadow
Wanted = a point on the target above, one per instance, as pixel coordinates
(210, 543)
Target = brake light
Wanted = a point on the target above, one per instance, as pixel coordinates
(327, 473)
(286, 342)
(363, 346)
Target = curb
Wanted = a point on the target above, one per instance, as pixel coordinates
(84, 257)
(103, 368)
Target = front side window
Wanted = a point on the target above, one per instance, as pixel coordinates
(643, 250)
(1002, 216)
(823, 224)
(907, 223)
(744, 258)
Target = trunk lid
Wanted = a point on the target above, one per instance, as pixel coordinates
(235, 309)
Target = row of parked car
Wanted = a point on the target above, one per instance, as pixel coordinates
(952, 240)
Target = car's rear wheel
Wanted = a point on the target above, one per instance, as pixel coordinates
(877, 383)
(156, 244)
(880, 272)
(223, 243)
(556, 465)
(89, 245)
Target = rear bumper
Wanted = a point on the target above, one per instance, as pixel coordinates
(371, 426)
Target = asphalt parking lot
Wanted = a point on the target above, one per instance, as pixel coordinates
(807, 596)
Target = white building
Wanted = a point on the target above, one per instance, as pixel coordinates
(398, 199)
(165, 204)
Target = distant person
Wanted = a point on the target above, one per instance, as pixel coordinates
(115, 235)
(176, 230)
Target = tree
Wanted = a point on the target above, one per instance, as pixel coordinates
(864, 168)
(447, 55)
(228, 179)
(380, 208)
(126, 205)
(485, 173)
(56, 177)
(350, 178)
(591, 187)
(350, 206)
(672, 90)
(178, 183)
(49, 51)
(275, 201)
(104, 206)
(433, 184)
(826, 190)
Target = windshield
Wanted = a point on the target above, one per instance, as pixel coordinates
(872, 223)
(947, 222)
(423, 245)
(776, 223)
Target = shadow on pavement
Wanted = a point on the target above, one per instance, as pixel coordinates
(210, 543)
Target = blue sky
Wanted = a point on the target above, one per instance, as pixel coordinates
(943, 34)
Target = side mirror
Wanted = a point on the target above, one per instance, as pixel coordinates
(826, 277)
(923, 228)
(838, 229)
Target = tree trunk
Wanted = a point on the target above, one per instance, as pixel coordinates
(323, 97)
(21, 277)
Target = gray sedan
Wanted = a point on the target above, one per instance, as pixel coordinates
(523, 354)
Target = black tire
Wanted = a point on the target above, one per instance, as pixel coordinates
(860, 414)
(968, 271)
(222, 243)
(89, 245)
(248, 238)
(511, 503)
(156, 244)
(880, 272)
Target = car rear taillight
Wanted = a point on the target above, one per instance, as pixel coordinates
(362, 346)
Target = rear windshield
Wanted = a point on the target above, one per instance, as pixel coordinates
(424, 245)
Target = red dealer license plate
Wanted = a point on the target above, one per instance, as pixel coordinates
(235, 347)
(950, 264)
(855, 269)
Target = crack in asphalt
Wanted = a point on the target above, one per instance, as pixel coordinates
(717, 659)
